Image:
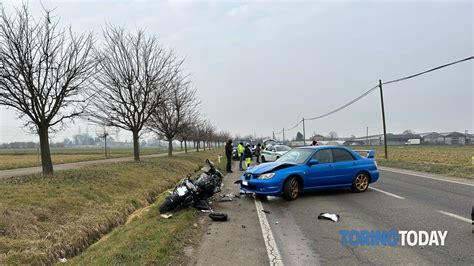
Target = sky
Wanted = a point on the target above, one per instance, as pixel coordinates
(261, 66)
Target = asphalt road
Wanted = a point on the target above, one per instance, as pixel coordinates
(401, 200)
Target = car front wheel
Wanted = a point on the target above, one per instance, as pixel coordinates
(291, 188)
(360, 183)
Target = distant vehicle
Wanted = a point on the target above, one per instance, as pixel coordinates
(311, 168)
(413, 142)
(273, 152)
(267, 142)
(235, 142)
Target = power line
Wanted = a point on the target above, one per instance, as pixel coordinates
(384, 83)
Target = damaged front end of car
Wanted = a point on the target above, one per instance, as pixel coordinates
(265, 179)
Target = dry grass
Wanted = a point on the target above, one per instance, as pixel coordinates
(446, 160)
(46, 218)
(11, 159)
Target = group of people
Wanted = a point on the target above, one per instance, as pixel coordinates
(244, 152)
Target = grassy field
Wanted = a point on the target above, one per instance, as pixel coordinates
(47, 218)
(17, 158)
(446, 160)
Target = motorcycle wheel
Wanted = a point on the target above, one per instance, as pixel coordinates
(169, 204)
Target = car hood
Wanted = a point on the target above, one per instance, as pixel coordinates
(268, 167)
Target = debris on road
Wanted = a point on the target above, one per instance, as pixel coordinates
(216, 216)
(243, 226)
(195, 225)
(237, 181)
(228, 197)
(166, 215)
(329, 216)
(265, 211)
(276, 222)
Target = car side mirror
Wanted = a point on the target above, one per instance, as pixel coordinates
(313, 162)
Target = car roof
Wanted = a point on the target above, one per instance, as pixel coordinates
(320, 147)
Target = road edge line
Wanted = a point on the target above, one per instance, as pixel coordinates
(274, 256)
(425, 176)
(456, 216)
(386, 193)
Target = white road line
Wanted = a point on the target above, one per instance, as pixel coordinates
(456, 216)
(387, 193)
(272, 250)
(426, 176)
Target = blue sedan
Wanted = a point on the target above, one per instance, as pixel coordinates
(311, 168)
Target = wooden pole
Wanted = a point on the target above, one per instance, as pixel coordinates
(304, 134)
(383, 119)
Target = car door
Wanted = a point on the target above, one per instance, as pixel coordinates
(345, 166)
(321, 174)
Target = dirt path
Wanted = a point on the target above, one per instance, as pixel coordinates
(66, 166)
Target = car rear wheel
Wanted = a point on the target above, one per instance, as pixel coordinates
(291, 188)
(361, 182)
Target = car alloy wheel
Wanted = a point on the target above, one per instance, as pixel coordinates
(361, 182)
(291, 188)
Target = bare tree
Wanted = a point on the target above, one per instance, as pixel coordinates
(332, 135)
(176, 112)
(133, 75)
(44, 71)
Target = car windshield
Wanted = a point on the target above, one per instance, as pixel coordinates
(296, 156)
(282, 148)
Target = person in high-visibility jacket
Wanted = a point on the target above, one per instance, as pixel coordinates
(247, 155)
(240, 152)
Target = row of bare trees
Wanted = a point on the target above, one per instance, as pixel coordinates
(51, 75)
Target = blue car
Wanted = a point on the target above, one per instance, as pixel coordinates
(311, 168)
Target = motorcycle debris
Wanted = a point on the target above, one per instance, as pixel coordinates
(206, 210)
(221, 217)
(166, 216)
(265, 211)
(276, 222)
(329, 216)
(238, 181)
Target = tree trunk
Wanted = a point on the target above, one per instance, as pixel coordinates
(170, 147)
(204, 145)
(185, 146)
(46, 162)
(181, 145)
(136, 146)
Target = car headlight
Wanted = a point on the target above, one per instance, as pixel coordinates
(266, 176)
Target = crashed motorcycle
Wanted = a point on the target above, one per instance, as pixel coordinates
(194, 191)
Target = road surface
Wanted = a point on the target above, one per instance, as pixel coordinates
(75, 165)
(400, 200)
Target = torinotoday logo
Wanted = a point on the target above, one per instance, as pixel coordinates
(356, 238)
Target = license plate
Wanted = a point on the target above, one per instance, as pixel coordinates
(245, 183)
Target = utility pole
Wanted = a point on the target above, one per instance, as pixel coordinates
(283, 135)
(273, 134)
(367, 136)
(304, 134)
(383, 119)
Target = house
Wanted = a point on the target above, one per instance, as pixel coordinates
(432, 138)
(454, 138)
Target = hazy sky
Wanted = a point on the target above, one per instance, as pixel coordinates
(260, 66)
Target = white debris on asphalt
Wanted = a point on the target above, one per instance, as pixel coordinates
(329, 216)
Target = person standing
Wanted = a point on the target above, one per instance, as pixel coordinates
(315, 143)
(228, 155)
(258, 152)
(248, 155)
(240, 153)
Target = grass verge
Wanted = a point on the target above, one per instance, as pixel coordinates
(145, 239)
(47, 218)
(446, 160)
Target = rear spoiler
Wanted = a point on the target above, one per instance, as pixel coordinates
(370, 153)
